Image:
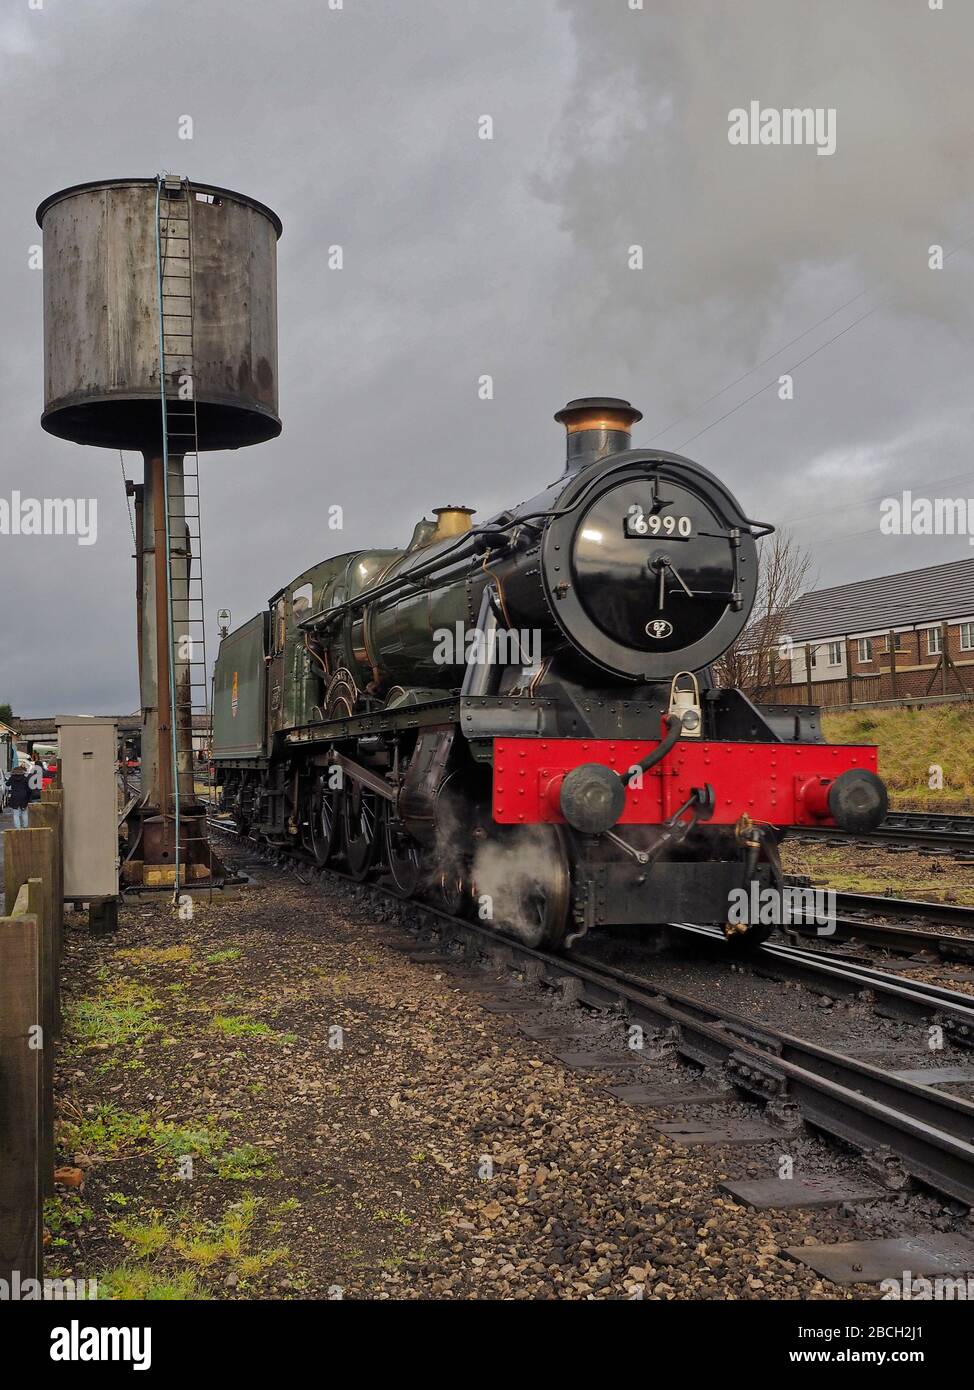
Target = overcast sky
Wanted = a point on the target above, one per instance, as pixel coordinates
(508, 257)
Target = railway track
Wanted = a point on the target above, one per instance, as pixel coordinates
(908, 936)
(905, 828)
(897, 997)
(907, 1129)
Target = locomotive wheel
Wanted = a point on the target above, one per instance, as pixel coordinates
(324, 821)
(362, 819)
(524, 871)
(404, 859)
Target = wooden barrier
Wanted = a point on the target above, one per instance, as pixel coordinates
(47, 814)
(30, 1023)
(22, 1085)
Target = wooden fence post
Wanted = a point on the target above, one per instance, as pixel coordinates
(48, 815)
(29, 859)
(21, 1083)
(30, 854)
(48, 994)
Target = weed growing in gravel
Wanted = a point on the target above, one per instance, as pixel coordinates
(123, 1014)
(155, 955)
(205, 1245)
(62, 1213)
(108, 1132)
(398, 1218)
(146, 1237)
(173, 1141)
(200, 1245)
(243, 1163)
(143, 1282)
(219, 957)
(249, 1265)
(235, 1026)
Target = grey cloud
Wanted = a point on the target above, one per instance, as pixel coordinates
(465, 257)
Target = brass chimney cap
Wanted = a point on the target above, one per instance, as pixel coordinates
(451, 521)
(598, 413)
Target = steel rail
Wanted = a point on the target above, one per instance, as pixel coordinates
(887, 936)
(911, 999)
(890, 834)
(915, 907)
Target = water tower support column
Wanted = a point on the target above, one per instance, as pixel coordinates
(163, 652)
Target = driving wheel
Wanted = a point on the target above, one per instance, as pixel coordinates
(362, 816)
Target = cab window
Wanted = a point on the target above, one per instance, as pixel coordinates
(301, 602)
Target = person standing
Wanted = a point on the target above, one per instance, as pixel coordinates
(35, 775)
(18, 791)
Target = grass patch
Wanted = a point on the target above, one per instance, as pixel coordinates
(199, 1248)
(249, 1265)
(221, 957)
(200, 1141)
(156, 955)
(206, 1245)
(397, 1218)
(122, 1015)
(243, 1163)
(832, 867)
(236, 1026)
(911, 742)
(146, 1238)
(145, 1283)
(109, 1132)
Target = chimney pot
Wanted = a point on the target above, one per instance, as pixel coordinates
(596, 426)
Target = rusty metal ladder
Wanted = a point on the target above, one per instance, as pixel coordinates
(189, 691)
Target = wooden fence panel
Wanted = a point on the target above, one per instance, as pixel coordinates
(21, 1088)
(30, 950)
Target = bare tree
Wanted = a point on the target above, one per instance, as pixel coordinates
(757, 655)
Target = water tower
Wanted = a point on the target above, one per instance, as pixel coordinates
(160, 335)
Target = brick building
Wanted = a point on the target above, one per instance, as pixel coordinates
(900, 636)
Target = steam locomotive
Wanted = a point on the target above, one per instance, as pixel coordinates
(519, 718)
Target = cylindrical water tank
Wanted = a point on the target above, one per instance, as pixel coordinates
(102, 313)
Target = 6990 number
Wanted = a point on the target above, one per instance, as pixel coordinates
(637, 523)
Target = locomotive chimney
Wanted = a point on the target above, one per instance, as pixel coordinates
(451, 521)
(596, 426)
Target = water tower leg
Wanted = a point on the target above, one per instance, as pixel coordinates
(150, 852)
